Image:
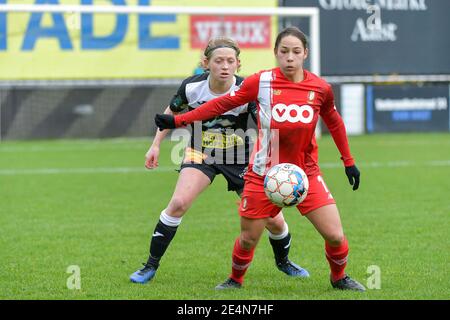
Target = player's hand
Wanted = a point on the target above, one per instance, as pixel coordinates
(165, 121)
(353, 174)
(151, 157)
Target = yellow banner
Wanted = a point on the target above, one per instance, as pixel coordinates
(53, 46)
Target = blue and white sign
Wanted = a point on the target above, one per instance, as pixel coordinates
(407, 108)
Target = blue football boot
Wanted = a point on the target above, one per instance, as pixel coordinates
(292, 270)
(143, 275)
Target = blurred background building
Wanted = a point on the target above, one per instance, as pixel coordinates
(66, 75)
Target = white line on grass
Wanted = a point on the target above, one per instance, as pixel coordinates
(139, 143)
(75, 148)
(83, 170)
(326, 165)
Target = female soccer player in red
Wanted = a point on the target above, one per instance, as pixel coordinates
(205, 158)
(289, 101)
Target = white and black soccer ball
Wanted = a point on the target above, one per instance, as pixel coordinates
(286, 184)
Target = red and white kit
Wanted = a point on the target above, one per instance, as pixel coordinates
(287, 117)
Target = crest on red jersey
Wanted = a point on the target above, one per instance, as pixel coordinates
(311, 96)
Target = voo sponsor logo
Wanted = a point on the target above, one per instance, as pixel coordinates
(292, 113)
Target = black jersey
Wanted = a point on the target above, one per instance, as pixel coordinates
(222, 139)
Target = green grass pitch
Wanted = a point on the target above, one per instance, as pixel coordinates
(93, 205)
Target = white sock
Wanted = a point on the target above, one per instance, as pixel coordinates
(281, 235)
(168, 220)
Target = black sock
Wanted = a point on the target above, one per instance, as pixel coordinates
(281, 248)
(161, 238)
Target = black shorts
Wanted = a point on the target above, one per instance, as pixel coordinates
(233, 173)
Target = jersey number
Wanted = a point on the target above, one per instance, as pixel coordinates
(320, 179)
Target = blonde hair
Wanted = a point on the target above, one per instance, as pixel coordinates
(216, 43)
(221, 42)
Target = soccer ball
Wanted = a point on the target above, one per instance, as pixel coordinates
(286, 185)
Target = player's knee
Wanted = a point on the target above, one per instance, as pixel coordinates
(248, 241)
(335, 238)
(276, 226)
(177, 207)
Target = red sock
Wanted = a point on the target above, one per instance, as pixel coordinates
(241, 261)
(337, 258)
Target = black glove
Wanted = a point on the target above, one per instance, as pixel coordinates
(165, 121)
(353, 174)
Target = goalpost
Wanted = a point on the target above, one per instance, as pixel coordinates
(312, 13)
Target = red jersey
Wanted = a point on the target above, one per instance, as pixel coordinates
(287, 117)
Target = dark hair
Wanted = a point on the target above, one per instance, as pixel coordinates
(291, 31)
